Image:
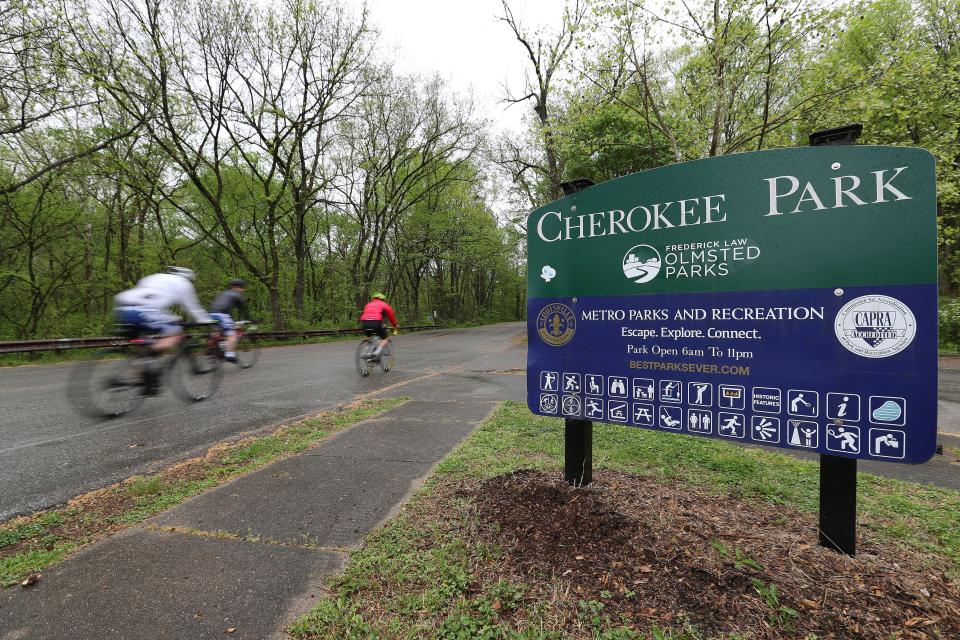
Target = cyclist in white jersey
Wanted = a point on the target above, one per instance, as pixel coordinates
(148, 306)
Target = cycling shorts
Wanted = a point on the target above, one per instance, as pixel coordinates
(371, 327)
(149, 321)
(226, 322)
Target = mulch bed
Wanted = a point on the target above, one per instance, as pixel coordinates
(657, 554)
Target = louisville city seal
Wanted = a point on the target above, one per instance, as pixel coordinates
(875, 326)
(556, 324)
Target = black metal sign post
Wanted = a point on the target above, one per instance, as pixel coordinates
(838, 475)
(578, 452)
(578, 434)
(838, 503)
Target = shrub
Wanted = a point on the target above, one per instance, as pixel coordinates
(949, 323)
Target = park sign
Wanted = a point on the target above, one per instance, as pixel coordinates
(785, 298)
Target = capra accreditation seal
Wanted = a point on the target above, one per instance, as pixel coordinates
(875, 326)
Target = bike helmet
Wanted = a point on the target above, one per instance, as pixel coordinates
(380, 296)
(237, 282)
(184, 272)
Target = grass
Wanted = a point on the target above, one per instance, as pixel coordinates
(418, 569)
(31, 543)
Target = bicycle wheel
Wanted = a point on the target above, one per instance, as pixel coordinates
(364, 350)
(248, 351)
(107, 384)
(386, 357)
(194, 375)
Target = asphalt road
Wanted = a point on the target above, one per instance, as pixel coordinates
(948, 410)
(49, 454)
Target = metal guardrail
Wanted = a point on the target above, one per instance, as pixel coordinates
(67, 344)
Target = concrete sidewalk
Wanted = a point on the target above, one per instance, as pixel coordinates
(251, 555)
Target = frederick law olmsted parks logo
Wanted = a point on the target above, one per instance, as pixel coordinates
(556, 324)
(875, 326)
(641, 263)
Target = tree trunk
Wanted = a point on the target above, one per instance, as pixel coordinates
(300, 253)
(276, 309)
(141, 224)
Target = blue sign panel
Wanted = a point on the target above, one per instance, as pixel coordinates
(768, 368)
(797, 309)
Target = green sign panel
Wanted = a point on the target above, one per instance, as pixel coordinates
(785, 298)
(783, 219)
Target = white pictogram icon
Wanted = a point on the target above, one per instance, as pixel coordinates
(888, 443)
(765, 429)
(549, 380)
(617, 410)
(731, 396)
(618, 386)
(671, 417)
(643, 389)
(570, 405)
(643, 414)
(593, 408)
(803, 403)
(767, 400)
(731, 425)
(548, 273)
(548, 403)
(671, 391)
(803, 433)
(843, 406)
(700, 393)
(571, 383)
(699, 421)
(844, 438)
(594, 384)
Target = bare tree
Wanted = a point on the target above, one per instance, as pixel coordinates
(406, 145)
(309, 71)
(546, 56)
(240, 100)
(44, 88)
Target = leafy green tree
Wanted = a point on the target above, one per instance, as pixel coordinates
(911, 51)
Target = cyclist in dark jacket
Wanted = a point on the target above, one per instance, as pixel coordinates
(223, 311)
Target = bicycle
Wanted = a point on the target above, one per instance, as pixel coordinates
(248, 351)
(113, 381)
(366, 357)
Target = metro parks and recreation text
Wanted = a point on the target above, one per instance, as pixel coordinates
(699, 313)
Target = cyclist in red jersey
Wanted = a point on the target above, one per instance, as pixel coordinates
(373, 317)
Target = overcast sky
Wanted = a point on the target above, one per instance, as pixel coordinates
(463, 41)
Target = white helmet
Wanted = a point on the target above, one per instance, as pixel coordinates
(183, 271)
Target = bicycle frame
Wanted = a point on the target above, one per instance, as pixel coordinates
(217, 338)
